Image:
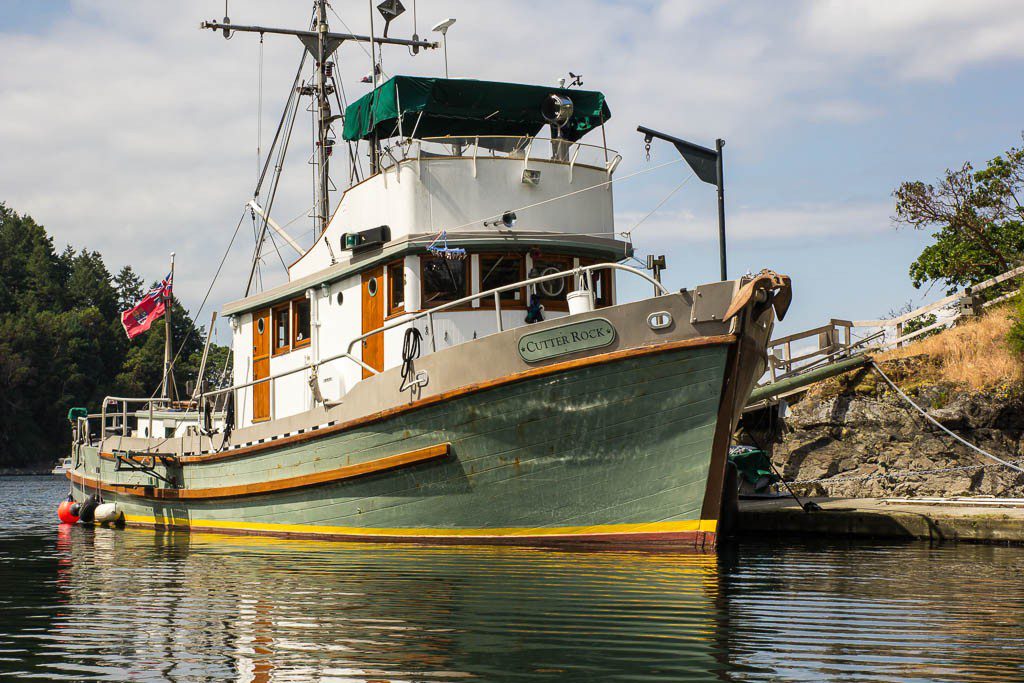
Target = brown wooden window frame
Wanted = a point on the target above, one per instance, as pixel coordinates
(488, 302)
(392, 311)
(296, 342)
(275, 312)
(424, 304)
(603, 276)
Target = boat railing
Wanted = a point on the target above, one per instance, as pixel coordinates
(582, 276)
(521, 148)
(118, 425)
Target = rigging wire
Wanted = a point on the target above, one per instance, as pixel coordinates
(361, 46)
(629, 233)
(202, 305)
(570, 194)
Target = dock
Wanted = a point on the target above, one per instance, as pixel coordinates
(975, 520)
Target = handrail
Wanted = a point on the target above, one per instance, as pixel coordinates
(576, 272)
(411, 318)
(520, 152)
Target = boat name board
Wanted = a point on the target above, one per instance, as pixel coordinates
(566, 339)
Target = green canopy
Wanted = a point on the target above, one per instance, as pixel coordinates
(435, 107)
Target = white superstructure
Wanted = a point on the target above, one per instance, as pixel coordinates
(521, 207)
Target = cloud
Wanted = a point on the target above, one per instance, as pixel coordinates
(126, 129)
(915, 39)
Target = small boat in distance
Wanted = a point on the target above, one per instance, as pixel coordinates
(62, 467)
(453, 359)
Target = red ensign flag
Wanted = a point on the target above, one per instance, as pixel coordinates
(139, 317)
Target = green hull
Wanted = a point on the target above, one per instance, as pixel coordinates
(609, 451)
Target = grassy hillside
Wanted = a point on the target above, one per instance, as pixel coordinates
(975, 354)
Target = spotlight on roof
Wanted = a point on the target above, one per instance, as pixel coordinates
(556, 109)
(507, 220)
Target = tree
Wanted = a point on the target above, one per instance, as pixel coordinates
(978, 218)
(129, 288)
(62, 344)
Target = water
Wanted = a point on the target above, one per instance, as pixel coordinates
(84, 604)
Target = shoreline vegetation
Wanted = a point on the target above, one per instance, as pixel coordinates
(62, 344)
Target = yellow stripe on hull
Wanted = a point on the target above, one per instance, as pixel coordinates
(684, 526)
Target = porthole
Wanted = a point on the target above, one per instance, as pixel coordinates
(371, 287)
(260, 326)
(340, 298)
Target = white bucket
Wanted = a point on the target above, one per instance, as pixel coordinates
(580, 301)
(108, 512)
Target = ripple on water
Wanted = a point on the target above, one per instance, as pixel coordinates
(136, 605)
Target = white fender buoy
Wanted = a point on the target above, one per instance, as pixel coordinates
(107, 512)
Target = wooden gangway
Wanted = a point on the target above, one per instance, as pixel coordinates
(803, 358)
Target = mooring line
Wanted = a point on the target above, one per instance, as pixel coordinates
(941, 426)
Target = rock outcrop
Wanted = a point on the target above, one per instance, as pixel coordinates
(857, 432)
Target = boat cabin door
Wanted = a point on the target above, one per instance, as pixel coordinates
(261, 365)
(373, 319)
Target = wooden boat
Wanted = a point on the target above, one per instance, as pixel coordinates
(451, 361)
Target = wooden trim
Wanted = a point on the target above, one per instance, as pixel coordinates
(587, 361)
(390, 312)
(487, 303)
(301, 343)
(605, 278)
(390, 462)
(274, 311)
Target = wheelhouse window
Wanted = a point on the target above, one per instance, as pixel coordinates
(498, 270)
(300, 322)
(552, 292)
(396, 288)
(444, 280)
(281, 327)
(602, 280)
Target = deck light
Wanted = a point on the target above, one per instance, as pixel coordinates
(531, 176)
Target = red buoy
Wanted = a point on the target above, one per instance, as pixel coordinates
(65, 514)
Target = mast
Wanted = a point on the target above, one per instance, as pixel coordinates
(323, 151)
(168, 384)
(320, 43)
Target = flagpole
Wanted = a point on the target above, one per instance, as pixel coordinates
(168, 343)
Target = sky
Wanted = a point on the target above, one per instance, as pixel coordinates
(126, 129)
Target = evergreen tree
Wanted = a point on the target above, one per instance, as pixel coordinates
(62, 343)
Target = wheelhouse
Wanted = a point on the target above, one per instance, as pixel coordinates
(464, 197)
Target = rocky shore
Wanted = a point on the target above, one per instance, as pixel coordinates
(855, 431)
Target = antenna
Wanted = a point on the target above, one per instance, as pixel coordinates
(442, 28)
(321, 43)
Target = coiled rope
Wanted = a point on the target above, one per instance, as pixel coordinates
(410, 351)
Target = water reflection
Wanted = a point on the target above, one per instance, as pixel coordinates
(82, 604)
(186, 607)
